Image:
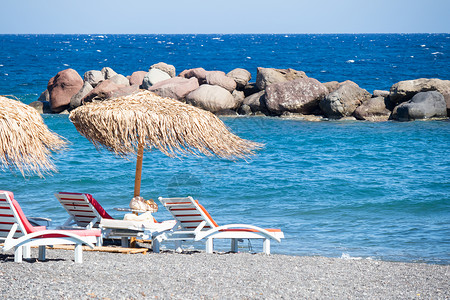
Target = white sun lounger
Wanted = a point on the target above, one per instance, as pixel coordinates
(194, 224)
(18, 233)
(86, 212)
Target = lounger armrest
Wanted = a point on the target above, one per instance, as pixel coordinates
(38, 221)
(205, 234)
(11, 243)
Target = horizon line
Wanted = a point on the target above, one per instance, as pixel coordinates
(218, 33)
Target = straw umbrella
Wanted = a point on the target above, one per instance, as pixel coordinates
(26, 142)
(143, 121)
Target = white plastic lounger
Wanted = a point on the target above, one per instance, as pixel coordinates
(18, 233)
(86, 212)
(194, 223)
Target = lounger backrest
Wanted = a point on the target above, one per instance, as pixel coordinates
(83, 208)
(188, 212)
(11, 213)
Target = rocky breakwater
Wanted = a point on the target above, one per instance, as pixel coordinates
(276, 92)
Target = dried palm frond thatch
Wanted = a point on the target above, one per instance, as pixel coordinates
(25, 141)
(145, 118)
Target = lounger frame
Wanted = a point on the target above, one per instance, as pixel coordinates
(195, 224)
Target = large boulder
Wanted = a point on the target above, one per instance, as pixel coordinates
(119, 79)
(343, 102)
(108, 89)
(256, 102)
(240, 76)
(219, 78)
(137, 77)
(238, 97)
(423, 105)
(62, 87)
(169, 69)
(268, 76)
(212, 98)
(331, 86)
(75, 101)
(175, 88)
(94, 77)
(108, 73)
(44, 96)
(404, 90)
(298, 96)
(154, 76)
(250, 89)
(380, 93)
(198, 73)
(373, 109)
(42, 107)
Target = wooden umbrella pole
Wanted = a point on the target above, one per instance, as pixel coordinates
(137, 179)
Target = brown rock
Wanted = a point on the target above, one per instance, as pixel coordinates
(380, 93)
(373, 109)
(220, 79)
(44, 96)
(108, 73)
(404, 90)
(169, 69)
(42, 107)
(175, 88)
(240, 76)
(256, 102)
(268, 76)
(198, 73)
(62, 87)
(331, 86)
(108, 89)
(137, 77)
(343, 102)
(94, 77)
(76, 99)
(212, 98)
(298, 96)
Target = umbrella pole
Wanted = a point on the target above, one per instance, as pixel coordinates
(137, 180)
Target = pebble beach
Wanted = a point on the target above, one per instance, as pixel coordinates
(197, 275)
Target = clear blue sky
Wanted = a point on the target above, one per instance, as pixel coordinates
(224, 16)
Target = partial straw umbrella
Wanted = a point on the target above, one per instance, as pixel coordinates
(26, 142)
(130, 124)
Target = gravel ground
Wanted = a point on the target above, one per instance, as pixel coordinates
(198, 275)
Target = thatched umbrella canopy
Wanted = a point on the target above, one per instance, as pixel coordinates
(25, 141)
(131, 124)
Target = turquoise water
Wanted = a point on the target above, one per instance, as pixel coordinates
(373, 190)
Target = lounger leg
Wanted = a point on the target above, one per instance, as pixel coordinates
(124, 242)
(155, 246)
(209, 245)
(41, 255)
(178, 246)
(26, 252)
(266, 246)
(18, 254)
(79, 253)
(234, 245)
(100, 240)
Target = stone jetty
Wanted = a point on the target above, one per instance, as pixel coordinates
(275, 92)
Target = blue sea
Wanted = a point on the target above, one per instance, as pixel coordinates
(336, 189)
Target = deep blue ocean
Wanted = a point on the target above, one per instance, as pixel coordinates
(337, 189)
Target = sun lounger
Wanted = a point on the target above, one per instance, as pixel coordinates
(194, 223)
(18, 233)
(86, 212)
